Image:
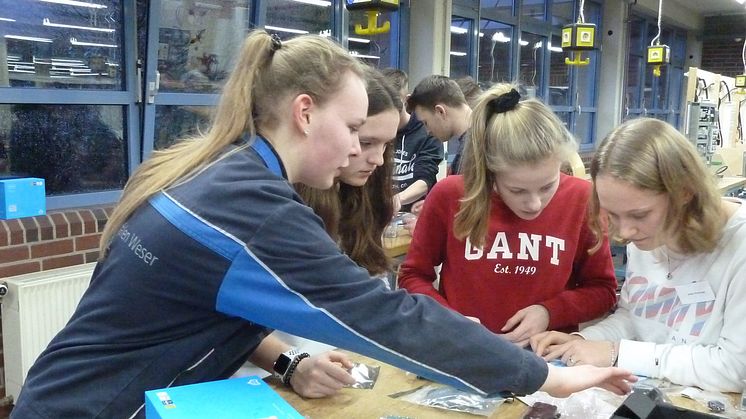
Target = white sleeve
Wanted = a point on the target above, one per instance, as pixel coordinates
(616, 326)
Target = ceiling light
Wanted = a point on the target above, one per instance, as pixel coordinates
(281, 29)
(91, 44)
(522, 42)
(322, 3)
(458, 30)
(6, 19)
(46, 22)
(458, 54)
(361, 40)
(210, 6)
(76, 3)
(28, 38)
(499, 37)
(356, 54)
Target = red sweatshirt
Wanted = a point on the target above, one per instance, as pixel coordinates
(542, 261)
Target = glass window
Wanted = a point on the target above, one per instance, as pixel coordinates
(535, 9)
(378, 50)
(635, 35)
(532, 62)
(65, 46)
(583, 128)
(559, 75)
(504, 7)
(494, 52)
(198, 43)
(563, 12)
(634, 77)
(179, 122)
(461, 29)
(75, 148)
(289, 18)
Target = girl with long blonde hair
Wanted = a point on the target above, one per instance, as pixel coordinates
(511, 233)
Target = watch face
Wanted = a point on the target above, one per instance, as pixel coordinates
(282, 363)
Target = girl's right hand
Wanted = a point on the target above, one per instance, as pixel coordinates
(563, 381)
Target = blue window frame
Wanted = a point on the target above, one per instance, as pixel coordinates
(162, 64)
(645, 94)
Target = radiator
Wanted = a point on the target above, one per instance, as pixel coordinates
(35, 308)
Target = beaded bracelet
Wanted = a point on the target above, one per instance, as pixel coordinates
(291, 368)
(614, 356)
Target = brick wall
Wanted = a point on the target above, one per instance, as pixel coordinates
(55, 240)
(722, 43)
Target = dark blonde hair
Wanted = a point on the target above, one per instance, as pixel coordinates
(526, 134)
(470, 88)
(355, 216)
(652, 155)
(264, 77)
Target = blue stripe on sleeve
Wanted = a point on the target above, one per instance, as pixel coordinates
(250, 290)
(196, 228)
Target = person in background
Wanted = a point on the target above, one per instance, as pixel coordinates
(358, 208)
(512, 233)
(442, 107)
(470, 88)
(210, 248)
(355, 212)
(681, 312)
(471, 91)
(416, 153)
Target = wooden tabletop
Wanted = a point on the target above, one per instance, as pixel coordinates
(376, 403)
(397, 246)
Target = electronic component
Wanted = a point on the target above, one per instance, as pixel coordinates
(716, 406)
(541, 410)
(703, 128)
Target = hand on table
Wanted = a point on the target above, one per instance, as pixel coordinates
(563, 381)
(551, 342)
(526, 323)
(574, 350)
(322, 375)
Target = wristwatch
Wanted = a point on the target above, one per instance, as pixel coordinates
(284, 360)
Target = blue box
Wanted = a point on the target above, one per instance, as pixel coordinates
(22, 197)
(245, 398)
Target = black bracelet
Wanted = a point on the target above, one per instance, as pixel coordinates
(291, 368)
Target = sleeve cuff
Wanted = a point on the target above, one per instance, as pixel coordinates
(640, 358)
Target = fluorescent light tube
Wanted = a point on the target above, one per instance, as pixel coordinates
(281, 29)
(456, 29)
(46, 22)
(458, 54)
(7, 19)
(76, 3)
(28, 38)
(356, 54)
(361, 40)
(91, 44)
(321, 3)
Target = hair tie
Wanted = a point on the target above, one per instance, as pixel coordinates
(504, 102)
(276, 43)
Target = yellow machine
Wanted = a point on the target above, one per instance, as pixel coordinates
(372, 9)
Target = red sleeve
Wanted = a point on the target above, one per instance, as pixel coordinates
(592, 287)
(428, 246)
